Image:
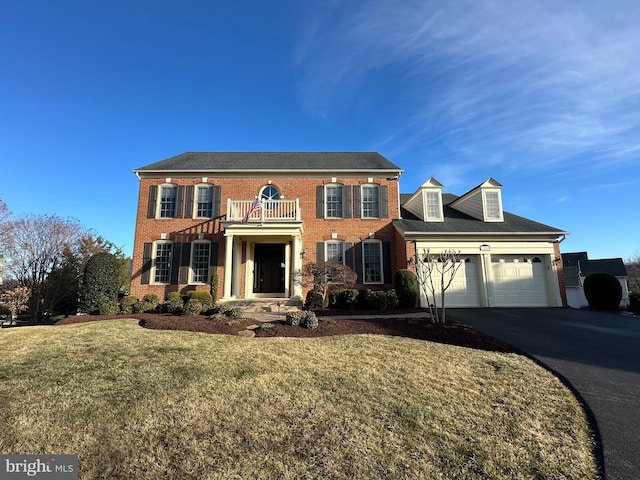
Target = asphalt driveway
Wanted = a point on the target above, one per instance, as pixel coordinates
(597, 352)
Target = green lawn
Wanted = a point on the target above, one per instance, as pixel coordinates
(144, 404)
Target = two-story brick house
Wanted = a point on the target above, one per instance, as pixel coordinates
(194, 219)
(255, 218)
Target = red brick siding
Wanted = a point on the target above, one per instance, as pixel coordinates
(560, 271)
(242, 188)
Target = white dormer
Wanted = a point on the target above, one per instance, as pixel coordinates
(426, 202)
(484, 202)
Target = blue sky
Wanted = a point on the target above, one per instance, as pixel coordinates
(543, 96)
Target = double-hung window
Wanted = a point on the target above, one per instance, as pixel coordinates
(168, 198)
(333, 201)
(372, 261)
(162, 262)
(370, 201)
(434, 210)
(492, 206)
(334, 251)
(204, 201)
(200, 252)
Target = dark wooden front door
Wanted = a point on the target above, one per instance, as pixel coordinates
(268, 276)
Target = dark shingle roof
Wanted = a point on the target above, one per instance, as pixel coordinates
(272, 161)
(458, 222)
(581, 261)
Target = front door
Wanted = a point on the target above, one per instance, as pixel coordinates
(268, 276)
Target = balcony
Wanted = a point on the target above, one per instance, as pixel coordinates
(246, 211)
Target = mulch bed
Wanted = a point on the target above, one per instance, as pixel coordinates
(418, 328)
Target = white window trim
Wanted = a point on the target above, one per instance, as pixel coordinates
(326, 203)
(195, 199)
(154, 256)
(427, 218)
(159, 200)
(500, 217)
(364, 279)
(333, 242)
(362, 188)
(191, 273)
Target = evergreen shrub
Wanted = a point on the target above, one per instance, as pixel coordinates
(406, 287)
(603, 291)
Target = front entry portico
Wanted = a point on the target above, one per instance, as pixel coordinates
(262, 260)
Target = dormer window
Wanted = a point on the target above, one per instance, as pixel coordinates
(492, 206)
(433, 206)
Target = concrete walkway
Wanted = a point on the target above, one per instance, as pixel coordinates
(598, 353)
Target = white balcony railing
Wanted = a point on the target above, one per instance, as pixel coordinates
(267, 211)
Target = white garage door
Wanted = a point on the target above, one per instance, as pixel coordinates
(464, 290)
(519, 282)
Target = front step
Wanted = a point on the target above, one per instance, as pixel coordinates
(266, 305)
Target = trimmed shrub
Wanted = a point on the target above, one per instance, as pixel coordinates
(234, 312)
(304, 318)
(603, 291)
(99, 284)
(145, 307)
(405, 283)
(151, 298)
(294, 318)
(113, 308)
(313, 300)
(174, 304)
(392, 299)
(202, 296)
(220, 308)
(127, 303)
(193, 307)
(215, 280)
(216, 317)
(343, 299)
(310, 322)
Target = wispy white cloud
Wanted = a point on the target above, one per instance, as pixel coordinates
(558, 81)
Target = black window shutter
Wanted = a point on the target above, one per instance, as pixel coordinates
(346, 202)
(146, 263)
(357, 200)
(151, 206)
(357, 253)
(179, 201)
(185, 258)
(384, 201)
(213, 255)
(319, 252)
(319, 201)
(217, 194)
(173, 263)
(188, 202)
(348, 254)
(386, 261)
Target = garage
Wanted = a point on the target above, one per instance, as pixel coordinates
(465, 288)
(518, 281)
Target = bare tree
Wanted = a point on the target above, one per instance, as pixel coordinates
(36, 246)
(633, 271)
(324, 275)
(435, 275)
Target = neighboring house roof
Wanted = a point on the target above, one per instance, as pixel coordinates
(273, 161)
(586, 266)
(456, 222)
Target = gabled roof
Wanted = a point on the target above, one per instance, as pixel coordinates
(489, 182)
(585, 266)
(456, 222)
(273, 162)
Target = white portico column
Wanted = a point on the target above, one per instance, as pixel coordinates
(296, 256)
(228, 266)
